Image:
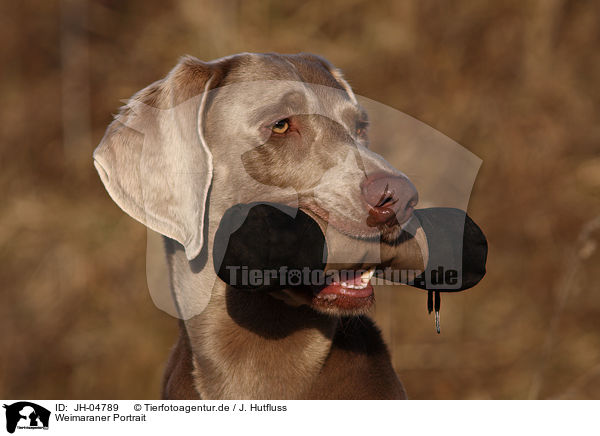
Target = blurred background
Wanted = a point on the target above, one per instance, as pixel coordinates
(515, 82)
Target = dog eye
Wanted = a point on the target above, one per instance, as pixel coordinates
(361, 128)
(281, 126)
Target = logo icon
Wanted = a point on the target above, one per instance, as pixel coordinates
(26, 415)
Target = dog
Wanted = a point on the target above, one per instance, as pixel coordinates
(289, 130)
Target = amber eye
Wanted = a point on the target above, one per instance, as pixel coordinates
(281, 126)
(361, 128)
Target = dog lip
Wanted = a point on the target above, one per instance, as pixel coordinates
(358, 286)
(338, 289)
(335, 299)
(382, 216)
(344, 226)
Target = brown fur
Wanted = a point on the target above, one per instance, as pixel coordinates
(238, 344)
(270, 350)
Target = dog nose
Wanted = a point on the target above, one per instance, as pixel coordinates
(391, 200)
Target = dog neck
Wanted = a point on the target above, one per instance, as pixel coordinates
(250, 345)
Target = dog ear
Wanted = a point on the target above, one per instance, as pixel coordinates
(335, 72)
(153, 159)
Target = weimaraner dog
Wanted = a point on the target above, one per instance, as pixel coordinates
(284, 129)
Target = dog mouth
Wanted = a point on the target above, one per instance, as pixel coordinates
(352, 293)
(388, 233)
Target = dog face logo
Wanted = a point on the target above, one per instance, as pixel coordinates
(26, 415)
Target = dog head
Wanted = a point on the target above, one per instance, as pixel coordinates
(285, 129)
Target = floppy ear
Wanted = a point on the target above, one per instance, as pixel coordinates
(153, 159)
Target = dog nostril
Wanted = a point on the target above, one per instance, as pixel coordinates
(387, 199)
(390, 200)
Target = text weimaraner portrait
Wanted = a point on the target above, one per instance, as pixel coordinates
(254, 166)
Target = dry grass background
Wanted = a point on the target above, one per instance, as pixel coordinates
(516, 82)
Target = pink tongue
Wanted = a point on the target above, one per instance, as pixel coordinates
(336, 288)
